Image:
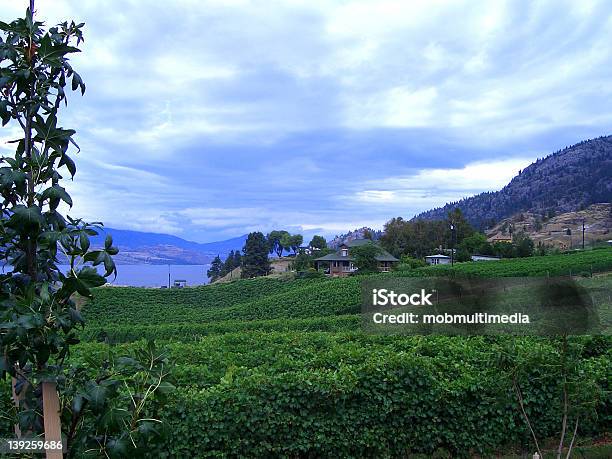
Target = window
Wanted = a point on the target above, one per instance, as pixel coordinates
(345, 252)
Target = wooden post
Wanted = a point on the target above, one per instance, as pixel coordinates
(51, 417)
(16, 399)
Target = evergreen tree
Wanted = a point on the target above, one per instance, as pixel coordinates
(214, 272)
(237, 259)
(255, 256)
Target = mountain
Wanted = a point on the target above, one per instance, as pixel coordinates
(568, 180)
(359, 233)
(136, 247)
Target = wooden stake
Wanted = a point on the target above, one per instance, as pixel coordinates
(16, 399)
(51, 416)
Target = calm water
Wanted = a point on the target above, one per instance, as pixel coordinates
(157, 275)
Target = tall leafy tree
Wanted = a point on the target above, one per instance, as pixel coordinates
(296, 242)
(275, 241)
(286, 241)
(318, 243)
(523, 244)
(364, 257)
(38, 315)
(255, 256)
(462, 227)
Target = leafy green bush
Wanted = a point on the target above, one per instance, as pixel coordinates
(383, 406)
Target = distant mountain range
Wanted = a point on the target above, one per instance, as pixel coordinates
(136, 247)
(566, 181)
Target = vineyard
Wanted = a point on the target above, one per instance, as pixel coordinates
(272, 367)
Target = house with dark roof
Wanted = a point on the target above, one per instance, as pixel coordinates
(341, 262)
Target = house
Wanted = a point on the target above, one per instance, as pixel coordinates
(500, 238)
(305, 249)
(179, 283)
(341, 262)
(438, 259)
(484, 258)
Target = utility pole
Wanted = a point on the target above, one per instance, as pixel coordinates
(583, 234)
(452, 228)
(168, 276)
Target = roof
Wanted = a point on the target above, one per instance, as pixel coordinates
(437, 256)
(383, 256)
(500, 237)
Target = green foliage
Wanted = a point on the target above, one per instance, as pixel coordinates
(275, 242)
(38, 315)
(475, 244)
(233, 261)
(216, 267)
(255, 261)
(407, 262)
(38, 318)
(303, 262)
(549, 265)
(318, 242)
(523, 245)
(323, 394)
(114, 402)
(310, 273)
(418, 238)
(364, 257)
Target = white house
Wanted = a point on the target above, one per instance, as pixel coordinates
(438, 259)
(484, 258)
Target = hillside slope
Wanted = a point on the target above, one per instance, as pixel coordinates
(568, 180)
(553, 231)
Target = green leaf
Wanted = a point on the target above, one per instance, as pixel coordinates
(96, 394)
(69, 163)
(90, 277)
(77, 82)
(56, 192)
(25, 219)
(84, 241)
(77, 404)
(5, 115)
(8, 177)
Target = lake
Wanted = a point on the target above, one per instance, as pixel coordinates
(157, 275)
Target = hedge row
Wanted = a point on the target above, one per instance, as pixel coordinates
(342, 395)
(386, 407)
(133, 305)
(576, 264)
(194, 331)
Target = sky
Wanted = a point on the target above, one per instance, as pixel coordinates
(211, 119)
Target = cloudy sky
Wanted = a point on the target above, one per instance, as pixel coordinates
(209, 119)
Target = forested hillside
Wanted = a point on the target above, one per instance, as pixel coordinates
(565, 181)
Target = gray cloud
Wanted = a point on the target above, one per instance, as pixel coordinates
(210, 119)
